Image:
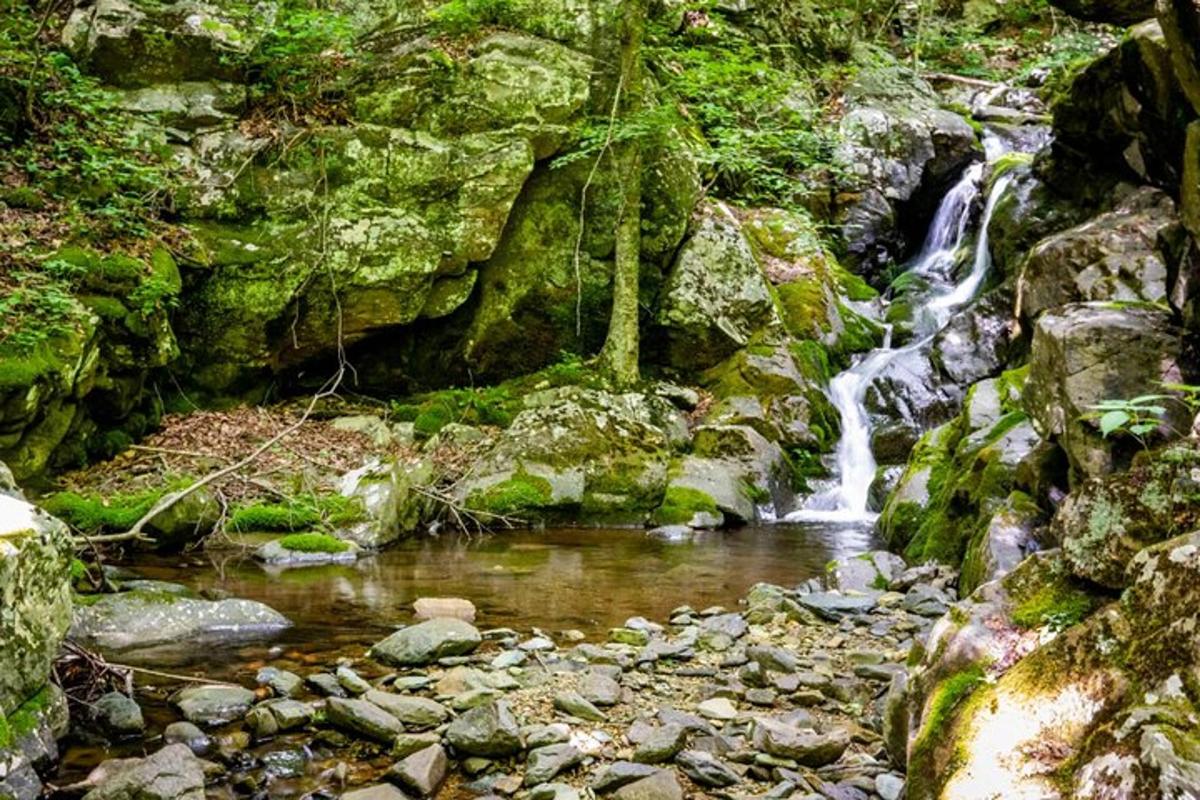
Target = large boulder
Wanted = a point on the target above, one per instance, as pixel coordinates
(172, 773)
(599, 453)
(1116, 256)
(1105, 522)
(1115, 12)
(427, 641)
(1086, 353)
(1180, 20)
(715, 297)
(29, 736)
(152, 615)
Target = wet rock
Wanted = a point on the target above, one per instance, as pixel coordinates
(267, 719)
(427, 642)
(416, 713)
(380, 791)
(140, 618)
(350, 680)
(423, 771)
(173, 773)
(662, 744)
(362, 718)
(547, 762)
(118, 715)
(281, 682)
(489, 731)
(706, 769)
(275, 554)
(662, 785)
(213, 705)
(187, 734)
(807, 747)
(326, 683)
(574, 704)
(442, 607)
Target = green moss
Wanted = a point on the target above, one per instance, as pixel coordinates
(313, 543)
(1059, 605)
(946, 699)
(273, 517)
(680, 504)
(93, 512)
(24, 719)
(429, 413)
(520, 493)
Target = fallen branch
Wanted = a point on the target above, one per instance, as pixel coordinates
(946, 77)
(171, 675)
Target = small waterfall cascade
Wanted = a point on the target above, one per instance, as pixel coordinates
(847, 500)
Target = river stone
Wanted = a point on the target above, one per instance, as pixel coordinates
(620, 773)
(418, 713)
(662, 744)
(380, 791)
(834, 605)
(547, 762)
(662, 785)
(488, 731)
(574, 704)
(427, 642)
(706, 769)
(213, 705)
(363, 718)
(187, 733)
(408, 743)
(275, 554)
(542, 735)
(118, 714)
(281, 682)
(140, 619)
(807, 747)
(600, 690)
(173, 773)
(423, 771)
(351, 681)
(326, 684)
(719, 708)
(867, 572)
(437, 607)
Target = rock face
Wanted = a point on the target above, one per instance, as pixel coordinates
(153, 616)
(1086, 353)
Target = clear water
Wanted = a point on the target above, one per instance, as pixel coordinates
(848, 500)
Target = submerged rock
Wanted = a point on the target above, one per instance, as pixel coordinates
(213, 705)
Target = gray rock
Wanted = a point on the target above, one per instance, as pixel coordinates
(600, 690)
(807, 747)
(662, 744)
(281, 682)
(173, 773)
(380, 791)
(415, 712)
(351, 681)
(720, 708)
(834, 606)
(362, 718)
(423, 771)
(139, 619)
(118, 715)
(213, 705)
(621, 773)
(545, 763)
(326, 683)
(408, 743)
(706, 769)
(926, 601)
(775, 659)
(427, 642)
(574, 704)
(889, 786)
(187, 734)
(553, 791)
(489, 731)
(662, 785)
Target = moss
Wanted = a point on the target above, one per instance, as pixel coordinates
(429, 413)
(945, 700)
(24, 719)
(299, 514)
(93, 512)
(520, 493)
(313, 542)
(680, 504)
(1059, 605)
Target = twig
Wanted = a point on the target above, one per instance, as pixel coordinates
(171, 675)
(946, 77)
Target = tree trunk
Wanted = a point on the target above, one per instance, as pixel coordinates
(619, 357)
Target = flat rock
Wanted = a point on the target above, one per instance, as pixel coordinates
(423, 771)
(415, 712)
(444, 608)
(362, 718)
(489, 731)
(173, 773)
(662, 785)
(213, 705)
(139, 619)
(600, 690)
(706, 769)
(834, 605)
(380, 791)
(660, 745)
(807, 747)
(621, 773)
(427, 642)
(574, 704)
(545, 763)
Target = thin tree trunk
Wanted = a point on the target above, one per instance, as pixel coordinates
(619, 357)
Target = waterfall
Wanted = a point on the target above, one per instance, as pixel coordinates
(854, 461)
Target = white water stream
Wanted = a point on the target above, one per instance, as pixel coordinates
(855, 465)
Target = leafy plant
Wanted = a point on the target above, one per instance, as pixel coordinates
(1136, 417)
(299, 61)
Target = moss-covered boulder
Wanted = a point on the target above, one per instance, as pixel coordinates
(140, 42)
(595, 454)
(1086, 353)
(1106, 521)
(963, 474)
(715, 297)
(1180, 20)
(1116, 256)
(383, 502)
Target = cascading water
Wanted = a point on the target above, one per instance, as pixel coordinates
(855, 465)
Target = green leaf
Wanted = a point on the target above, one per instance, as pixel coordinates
(1142, 428)
(1112, 421)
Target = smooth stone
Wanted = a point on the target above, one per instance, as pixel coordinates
(719, 708)
(600, 689)
(489, 731)
(889, 786)
(188, 734)
(281, 682)
(422, 771)
(408, 743)
(380, 791)
(443, 608)
(706, 769)
(545, 763)
(543, 735)
(553, 791)
(538, 644)
(833, 605)
(213, 705)
(350, 680)
(660, 745)
(172, 773)
(663, 785)
(574, 704)
(621, 773)
(509, 659)
(428, 642)
(806, 747)
(415, 712)
(362, 718)
(118, 715)
(326, 684)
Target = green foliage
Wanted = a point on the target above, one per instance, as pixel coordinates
(459, 17)
(313, 543)
(493, 405)
(300, 513)
(519, 494)
(92, 513)
(681, 504)
(1058, 605)
(1137, 417)
(297, 65)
